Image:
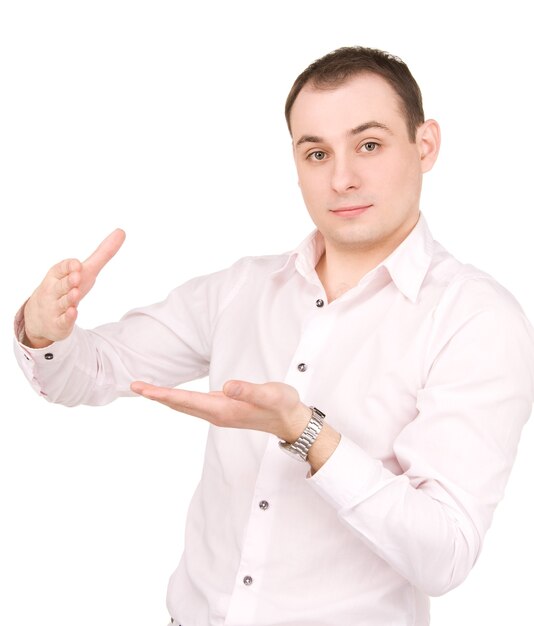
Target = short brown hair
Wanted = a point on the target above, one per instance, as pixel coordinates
(335, 68)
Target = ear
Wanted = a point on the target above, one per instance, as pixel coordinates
(428, 140)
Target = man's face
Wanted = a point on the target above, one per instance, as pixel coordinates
(359, 173)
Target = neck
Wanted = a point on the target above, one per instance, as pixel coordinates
(341, 268)
(340, 272)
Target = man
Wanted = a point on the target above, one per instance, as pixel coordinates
(423, 366)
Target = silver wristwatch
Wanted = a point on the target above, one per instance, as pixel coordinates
(299, 450)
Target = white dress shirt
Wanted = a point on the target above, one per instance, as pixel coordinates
(426, 368)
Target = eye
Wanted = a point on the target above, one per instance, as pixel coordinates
(370, 146)
(317, 155)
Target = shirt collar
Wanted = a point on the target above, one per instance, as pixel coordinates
(407, 265)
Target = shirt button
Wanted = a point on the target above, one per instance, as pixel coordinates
(49, 356)
(319, 303)
(247, 580)
(302, 367)
(264, 505)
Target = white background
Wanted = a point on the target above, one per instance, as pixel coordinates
(167, 119)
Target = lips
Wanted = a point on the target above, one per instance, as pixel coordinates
(350, 211)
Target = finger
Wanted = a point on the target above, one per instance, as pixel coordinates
(143, 389)
(106, 250)
(68, 282)
(72, 298)
(65, 267)
(205, 405)
(160, 394)
(66, 320)
(182, 397)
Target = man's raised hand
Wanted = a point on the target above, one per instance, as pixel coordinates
(51, 311)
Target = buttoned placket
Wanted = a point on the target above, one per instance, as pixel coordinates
(277, 469)
(317, 328)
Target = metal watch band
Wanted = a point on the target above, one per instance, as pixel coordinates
(300, 448)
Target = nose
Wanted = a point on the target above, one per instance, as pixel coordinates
(344, 174)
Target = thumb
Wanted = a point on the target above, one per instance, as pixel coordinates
(263, 395)
(234, 389)
(106, 250)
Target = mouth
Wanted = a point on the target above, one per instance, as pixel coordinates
(350, 211)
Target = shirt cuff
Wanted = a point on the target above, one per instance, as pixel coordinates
(19, 323)
(38, 363)
(350, 476)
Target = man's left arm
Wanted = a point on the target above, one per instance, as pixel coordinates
(428, 522)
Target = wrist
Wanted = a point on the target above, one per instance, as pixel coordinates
(295, 425)
(323, 447)
(300, 447)
(25, 335)
(35, 342)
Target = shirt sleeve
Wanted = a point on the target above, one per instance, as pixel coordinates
(429, 522)
(166, 344)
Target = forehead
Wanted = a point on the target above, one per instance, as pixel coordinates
(360, 99)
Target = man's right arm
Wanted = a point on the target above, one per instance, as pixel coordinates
(166, 343)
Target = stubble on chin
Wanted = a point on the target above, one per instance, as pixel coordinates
(354, 237)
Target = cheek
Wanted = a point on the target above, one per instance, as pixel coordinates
(402, 177)
(310, 185)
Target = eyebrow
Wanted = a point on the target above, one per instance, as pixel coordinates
(353, 131)
(367, 125)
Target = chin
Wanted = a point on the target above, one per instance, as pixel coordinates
(356, 237)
